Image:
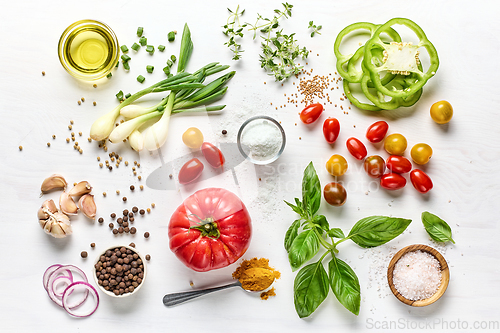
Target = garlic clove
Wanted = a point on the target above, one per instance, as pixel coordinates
(87, 206)
(80, 189)
(54, 182)
(48, 207)
(67, 204)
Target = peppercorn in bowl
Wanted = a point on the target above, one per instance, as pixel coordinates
(120, 271)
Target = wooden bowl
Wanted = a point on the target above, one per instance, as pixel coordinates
(445, 274)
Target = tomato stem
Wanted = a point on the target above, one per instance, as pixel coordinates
(207, 227)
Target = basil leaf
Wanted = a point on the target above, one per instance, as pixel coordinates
(311, 190)
(438, 229)
(291, 234)
(320, 220)
(345, 284)
(297, 209)
(336, 232)
(304, 247)
(377, 230)
(310, 289)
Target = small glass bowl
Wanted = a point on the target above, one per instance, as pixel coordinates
(272, 125)
(75, 34)
(109, 293)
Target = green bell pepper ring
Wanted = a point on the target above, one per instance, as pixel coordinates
(356, 102)
(401, 58)
(394, 102)
(354, 76)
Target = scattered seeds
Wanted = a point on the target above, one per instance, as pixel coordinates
(146, 234)
(92, 245)
(84, 254)
(148, 257)
(20, 147)
(100, 220)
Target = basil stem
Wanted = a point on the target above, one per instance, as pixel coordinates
(438, 229)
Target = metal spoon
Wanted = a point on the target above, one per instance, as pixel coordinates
(178, 298)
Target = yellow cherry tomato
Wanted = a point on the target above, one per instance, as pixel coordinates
(421, 153)
(193, 138)
(395, 144)
(441, 112)
(336, 165)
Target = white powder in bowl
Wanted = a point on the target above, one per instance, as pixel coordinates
(261, 139)
(417, 275)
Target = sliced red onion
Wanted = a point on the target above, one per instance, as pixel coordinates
(48, 273)
(60, 280)
(72, 287)
(57, 272)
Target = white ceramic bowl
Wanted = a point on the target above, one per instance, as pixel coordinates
(109, 292)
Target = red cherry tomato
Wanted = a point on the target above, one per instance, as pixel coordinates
(311, 113)
(374, 166)
(421, 181)
(377, 131)
(356, 148)
(211, 229)
(331, 130)
(190, 171)
(392, 181)
(398, 164)
(212, 154)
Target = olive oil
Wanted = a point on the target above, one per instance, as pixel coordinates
(88, 50)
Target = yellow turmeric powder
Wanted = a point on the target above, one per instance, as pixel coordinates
(256, 275)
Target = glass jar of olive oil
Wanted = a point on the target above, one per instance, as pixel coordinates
(88, 49)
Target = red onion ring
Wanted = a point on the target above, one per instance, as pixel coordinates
(55, 274)
(72, 287)
(59, 280)
(48, 273)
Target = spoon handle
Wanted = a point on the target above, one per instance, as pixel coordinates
(178, 298)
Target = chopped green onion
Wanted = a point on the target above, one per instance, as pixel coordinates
(166, 70)
(141, 78)
(150, 68)
(161, 48)
(140, 31)
(171, 36)
(160, 107)
(135, 47)
(124, 48)
(143, 40)
(173, 58)
(109, 75)
(169, 63)
(126, 65)
(150, 49)
(125, 57)
(117, 63)
(119, 95)
(128, 95)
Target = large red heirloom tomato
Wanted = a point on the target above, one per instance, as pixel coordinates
(210, 230)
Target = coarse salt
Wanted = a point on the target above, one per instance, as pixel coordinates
(261, 140)
(417, 275)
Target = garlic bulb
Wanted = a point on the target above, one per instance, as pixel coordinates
(54, 223)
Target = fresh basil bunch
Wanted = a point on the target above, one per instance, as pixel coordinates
(308, 233)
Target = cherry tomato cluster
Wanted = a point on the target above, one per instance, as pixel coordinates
(375, 166)
(191, 170)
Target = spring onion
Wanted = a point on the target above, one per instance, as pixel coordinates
(109, 75)
(173, 58)
(126, 65)
(161, 48)
(150, 68)
(140, 30)
(119, 95)
(150, 49)
(141, 78)
(166, 70)
(171, 36)
(125, 57)
(124, 48)
(128, 95)
(186, 93)
(143, 41)
(135, 47)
